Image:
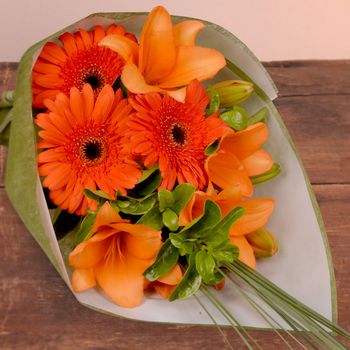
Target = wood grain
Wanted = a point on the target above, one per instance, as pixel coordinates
(37, 311)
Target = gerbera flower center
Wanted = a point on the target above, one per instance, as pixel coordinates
(97, 66)
(92, 150)
(178, 134)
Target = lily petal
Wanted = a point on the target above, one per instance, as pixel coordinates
(258, 163)
(246, 253)
(193, 62)
(157, 46)
(121, 279)
(185, 33)
(256, 215)
(105, 216)
(125, 47)
(173, 277)
(226, 171)
(83, 279)
(135, 82)
(246, 142)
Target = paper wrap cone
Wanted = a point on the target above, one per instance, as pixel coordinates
(302, 267)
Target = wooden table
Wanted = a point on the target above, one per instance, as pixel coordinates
(37, 310)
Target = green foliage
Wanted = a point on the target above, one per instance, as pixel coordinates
(259, 117)
(236, 118)
(268, 175)
(166, 260)
(214, 100)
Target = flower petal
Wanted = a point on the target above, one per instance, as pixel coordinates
(226, 171)
(173, 277)
(121, 279)
(258, 163)
(246, 253)
(125, 47)
(193, 63)
(83, 279)
(185, 33)
(256, 215)
(105, 216)
(245, 143)
(157, 46)
(135, 82)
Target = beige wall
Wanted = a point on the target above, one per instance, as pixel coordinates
(273, 29)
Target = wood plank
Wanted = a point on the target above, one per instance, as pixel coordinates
(320, 129)
(294, 78)
(38, 311)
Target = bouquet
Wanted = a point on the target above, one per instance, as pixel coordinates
(142, 164)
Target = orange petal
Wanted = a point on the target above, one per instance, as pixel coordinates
(245, 143)
(178, 94)
(256, 215)
(157, 46)
(121, 279)
(89, 253)
(226, 171)
(164, 290)
(83, 279)
(185, 33)
(135, 82)
(125, 47)
(106, 215)
(173, 277)
(258, 163)
(246, 253)
(141, 241)
(193, 63)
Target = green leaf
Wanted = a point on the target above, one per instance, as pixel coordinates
(205, 265)
(220, 233)
(152, 218)
(185, 244)
(167, 258)
(170, 219)
(190, 283)
(166, 199)
(181, 195)
(133, 206)
(226, 254)
(151, 182)
(236, 118)
(97, 195)
(214, 100)
(85, 228)
(54, 214)
(210, 217)
(270, 174)
(212, 148)
(259, 117)
(146, 173)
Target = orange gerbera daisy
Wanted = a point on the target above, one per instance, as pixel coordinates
(80, 60)
(115, 258)
(174, 134)
(167, 56)
(240, 156)
(82, 138)
(256, 215)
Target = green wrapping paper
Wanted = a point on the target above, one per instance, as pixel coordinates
(303, 264)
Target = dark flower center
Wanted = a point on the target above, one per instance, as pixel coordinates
(92, 150)
(178, 134)
(94, 81)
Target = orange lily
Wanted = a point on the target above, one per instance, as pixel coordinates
(167, 57)
(164, 285)
(115, 257)
(257, 213)
(240, 156)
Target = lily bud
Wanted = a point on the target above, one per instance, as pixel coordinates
(233, 92)
(263, 243)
